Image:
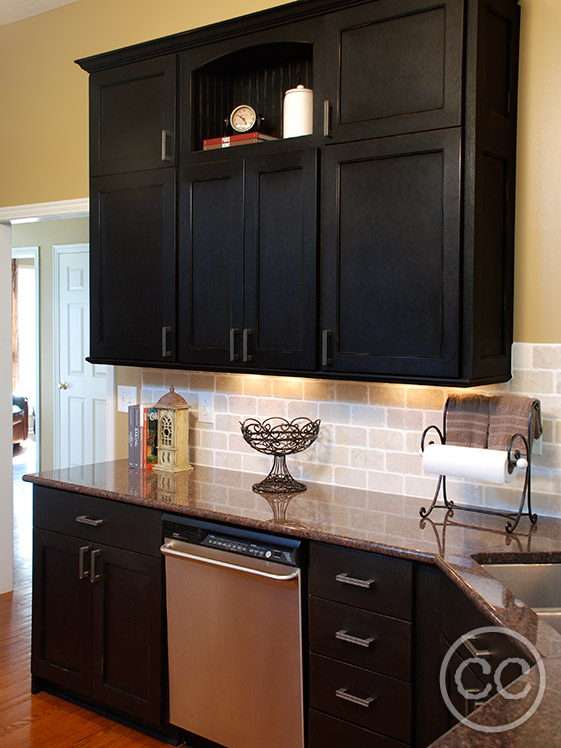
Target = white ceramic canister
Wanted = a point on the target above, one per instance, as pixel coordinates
(298, 112)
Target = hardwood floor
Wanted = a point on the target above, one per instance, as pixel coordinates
(41, 720)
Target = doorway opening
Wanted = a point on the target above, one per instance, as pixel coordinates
(25, 356)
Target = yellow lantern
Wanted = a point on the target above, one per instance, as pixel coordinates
(173, 432)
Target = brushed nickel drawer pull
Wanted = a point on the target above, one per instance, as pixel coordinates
(344, 578)
(342, 693)
(476, 704)
(83, 573)
(83, 520)
(93, 576)
(344, 636)
(474, 652)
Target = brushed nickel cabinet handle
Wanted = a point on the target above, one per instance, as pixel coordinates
(344, 636)
(233, 355)
(342, 693)
(246, 356)
(83, 520)
(327, 113)
(474, 652)
(165, 352)
(166, 156)
(93, 576)
(83, 573)
(326, 359)
(344, 578)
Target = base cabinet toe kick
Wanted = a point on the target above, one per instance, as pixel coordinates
(215, 635)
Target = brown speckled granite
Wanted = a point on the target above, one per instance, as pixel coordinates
(384, 523)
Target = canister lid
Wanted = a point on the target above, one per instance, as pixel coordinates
(300, 88)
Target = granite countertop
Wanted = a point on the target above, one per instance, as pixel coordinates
(383, 523)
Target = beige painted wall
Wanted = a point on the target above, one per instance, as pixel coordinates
(43, 138)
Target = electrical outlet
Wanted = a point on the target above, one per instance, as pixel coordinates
(206, 407)
(126, 396)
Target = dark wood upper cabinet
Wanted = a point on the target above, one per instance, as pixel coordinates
(391, 232)
(132, 117)
(248, 259)
(281, 261)
(393, 67)
(210, 261)
(132, 259)
(414, 133)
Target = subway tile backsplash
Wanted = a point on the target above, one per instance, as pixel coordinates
(370, 433)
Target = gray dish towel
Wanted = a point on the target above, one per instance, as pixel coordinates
(509, 415)
(467, 420)
(491, 422)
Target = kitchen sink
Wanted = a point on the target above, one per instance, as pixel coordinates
(537, 585)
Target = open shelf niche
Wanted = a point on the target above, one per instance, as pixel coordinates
(258, 76)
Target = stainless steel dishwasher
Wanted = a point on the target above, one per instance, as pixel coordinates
(234, 634)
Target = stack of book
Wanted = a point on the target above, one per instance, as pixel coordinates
(143, 436)
(244, 138)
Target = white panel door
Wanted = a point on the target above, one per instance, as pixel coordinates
(80, 398)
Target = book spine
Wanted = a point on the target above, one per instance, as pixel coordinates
(151, 437)
(136, 446)
(131, 436)
(142, 435)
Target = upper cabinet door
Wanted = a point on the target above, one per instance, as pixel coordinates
(391, 256)
(132, 117)
(210, 262)
(393, 66)
(132, 257)
(280, 261)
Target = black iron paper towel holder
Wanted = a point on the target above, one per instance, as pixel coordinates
(514, 454)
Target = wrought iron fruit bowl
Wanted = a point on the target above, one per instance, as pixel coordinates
(279, 437)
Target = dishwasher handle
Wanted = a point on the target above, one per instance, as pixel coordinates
(168, 550)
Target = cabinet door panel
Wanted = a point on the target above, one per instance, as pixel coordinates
(211, 261)
(126, 641)
(280, 252)
(132, 117)
(61, 633)
(133, 266)
(392, 256)
(395, 67)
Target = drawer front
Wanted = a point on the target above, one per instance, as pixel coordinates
(126, 526)
(328, 732)
(360, 637)
(459, 617)
(360, 696)
(367, 580)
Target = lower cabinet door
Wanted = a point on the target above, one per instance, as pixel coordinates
(328, 732)
(360, 696)
(61, 628)
(126, 644)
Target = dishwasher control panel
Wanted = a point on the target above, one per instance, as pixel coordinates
(232, 539)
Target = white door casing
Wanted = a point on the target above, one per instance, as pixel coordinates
(80, 397)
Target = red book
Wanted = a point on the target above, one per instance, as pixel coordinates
(241, 139)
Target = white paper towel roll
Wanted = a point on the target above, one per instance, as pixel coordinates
(468, 462)
(298, 112)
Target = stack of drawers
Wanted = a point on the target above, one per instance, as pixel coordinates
(360, 649)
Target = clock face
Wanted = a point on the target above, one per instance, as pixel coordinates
(243, 118)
